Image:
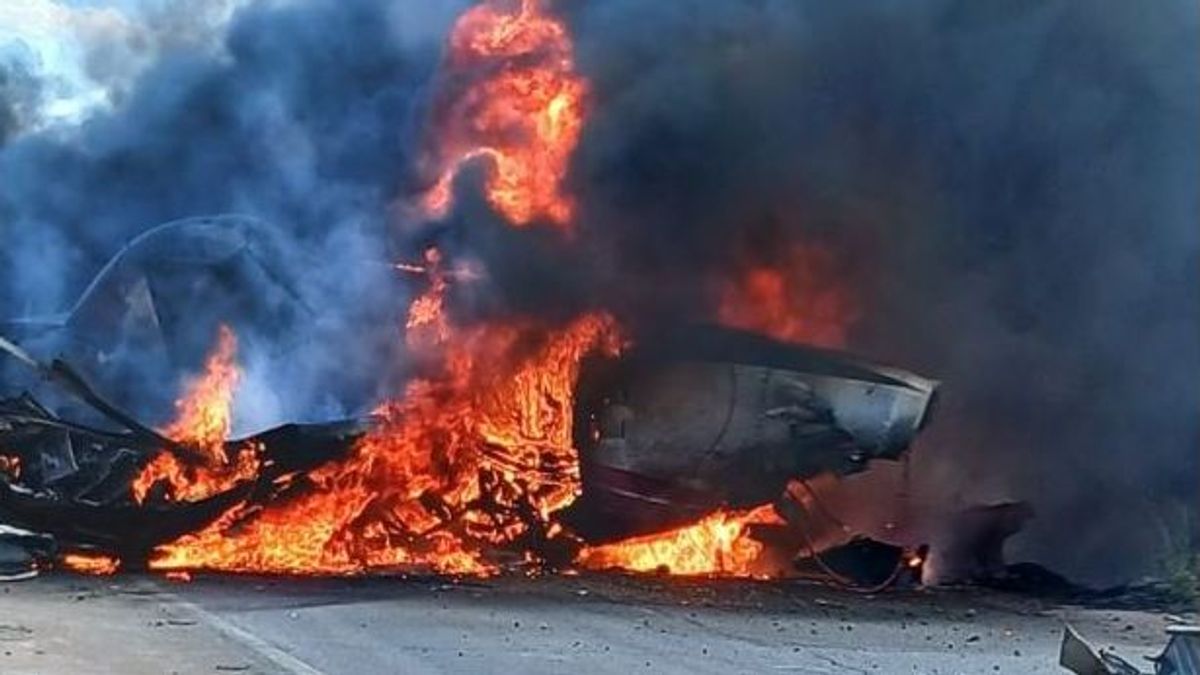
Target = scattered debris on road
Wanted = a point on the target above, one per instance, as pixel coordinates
(1181, 656)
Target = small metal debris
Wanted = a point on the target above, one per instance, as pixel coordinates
(1181, 656)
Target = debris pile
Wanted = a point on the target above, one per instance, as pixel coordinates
(654, 454)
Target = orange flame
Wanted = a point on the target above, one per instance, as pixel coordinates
(798, 299)
(468, 467)
(477, 454)
(471, 458)
(203, 422)
(511, 95)
(427, 324)
(206, 410)
(96, 564)
(719, 544)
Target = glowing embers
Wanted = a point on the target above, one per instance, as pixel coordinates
(719, 544)
(801, 296)
(508, 93)
(203, 422)
(95, 564)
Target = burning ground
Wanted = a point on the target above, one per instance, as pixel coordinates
(463, 203)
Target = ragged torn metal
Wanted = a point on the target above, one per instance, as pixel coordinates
(1081, 658)
(1181, 656)
(690, 421)
(73, 481)
(701, 417)
(785, 412)
(23, 553)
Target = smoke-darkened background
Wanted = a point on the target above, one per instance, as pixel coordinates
(1009, 190)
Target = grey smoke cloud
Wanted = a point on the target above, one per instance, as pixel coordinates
(301, 116)
(1013, 186)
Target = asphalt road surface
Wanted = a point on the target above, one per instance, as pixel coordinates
(594, 624)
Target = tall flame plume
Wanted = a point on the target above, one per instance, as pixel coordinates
(510, 95)
(204, 418)
(465, 471)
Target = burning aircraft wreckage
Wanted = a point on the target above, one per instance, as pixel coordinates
(515, 444)
(682, 450)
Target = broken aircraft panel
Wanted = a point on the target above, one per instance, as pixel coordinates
(704, 417)
(666, 432)
(74, 480)
(689, 420)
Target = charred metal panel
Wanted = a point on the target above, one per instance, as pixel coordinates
(709, 417)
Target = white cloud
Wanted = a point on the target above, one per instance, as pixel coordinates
(86, 57)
